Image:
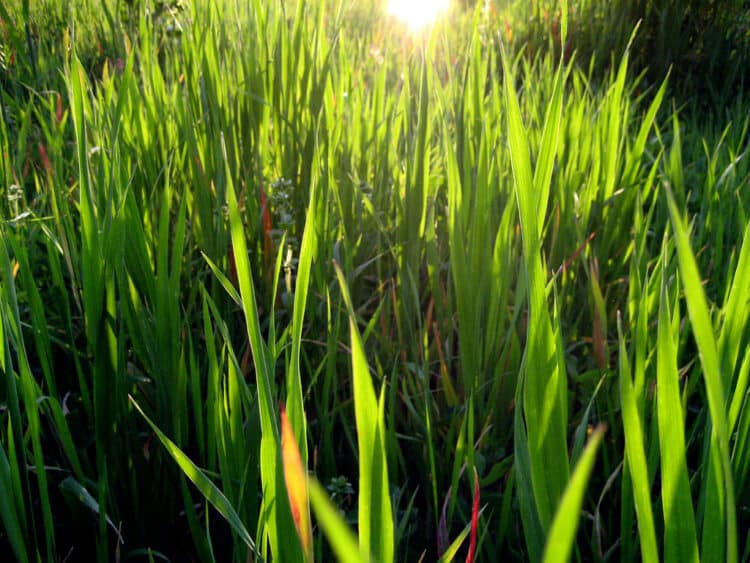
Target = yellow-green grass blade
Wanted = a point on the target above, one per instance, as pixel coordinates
(452, 550)
(342, 539)
(548, 148)
(740, 412)
(680, 540)
(562, 533)
(736, 312)
(614, 130)
(715, 381)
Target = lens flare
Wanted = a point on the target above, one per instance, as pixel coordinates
(417, 13)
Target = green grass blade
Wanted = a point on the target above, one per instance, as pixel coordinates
(680, 540)
(294, 399)
(277, 513)
(636, 456)
(342, 540)
(545, 386)
(9, 514)
(375, 515)
(561, 537)
(714, 379)
(736, 310)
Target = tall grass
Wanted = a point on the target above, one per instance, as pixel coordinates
(285, 281)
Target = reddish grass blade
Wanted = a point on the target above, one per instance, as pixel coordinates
(474, 520)
(295, 476)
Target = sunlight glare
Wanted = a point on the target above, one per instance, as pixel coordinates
(417, 13)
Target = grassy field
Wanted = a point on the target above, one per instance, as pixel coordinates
(290, 281)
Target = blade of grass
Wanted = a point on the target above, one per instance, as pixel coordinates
(295, 477)
(636, 455)
(375, 515)
(342, 540)
(545, 385)
(277, 512)
(714, 378)
(561, 537)
(680, 540)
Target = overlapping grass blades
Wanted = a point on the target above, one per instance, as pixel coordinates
(276, 510)
(721, 491)
(375, 515)
(209, 491)
(543, 378)
(680, 540)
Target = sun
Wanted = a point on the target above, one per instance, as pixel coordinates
(417, 13)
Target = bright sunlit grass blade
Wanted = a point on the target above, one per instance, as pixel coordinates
(680, 540)
(342, 540)
(736, 313)
(545, 385)
(561, 537)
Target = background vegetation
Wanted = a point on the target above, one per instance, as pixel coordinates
(487, 283)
